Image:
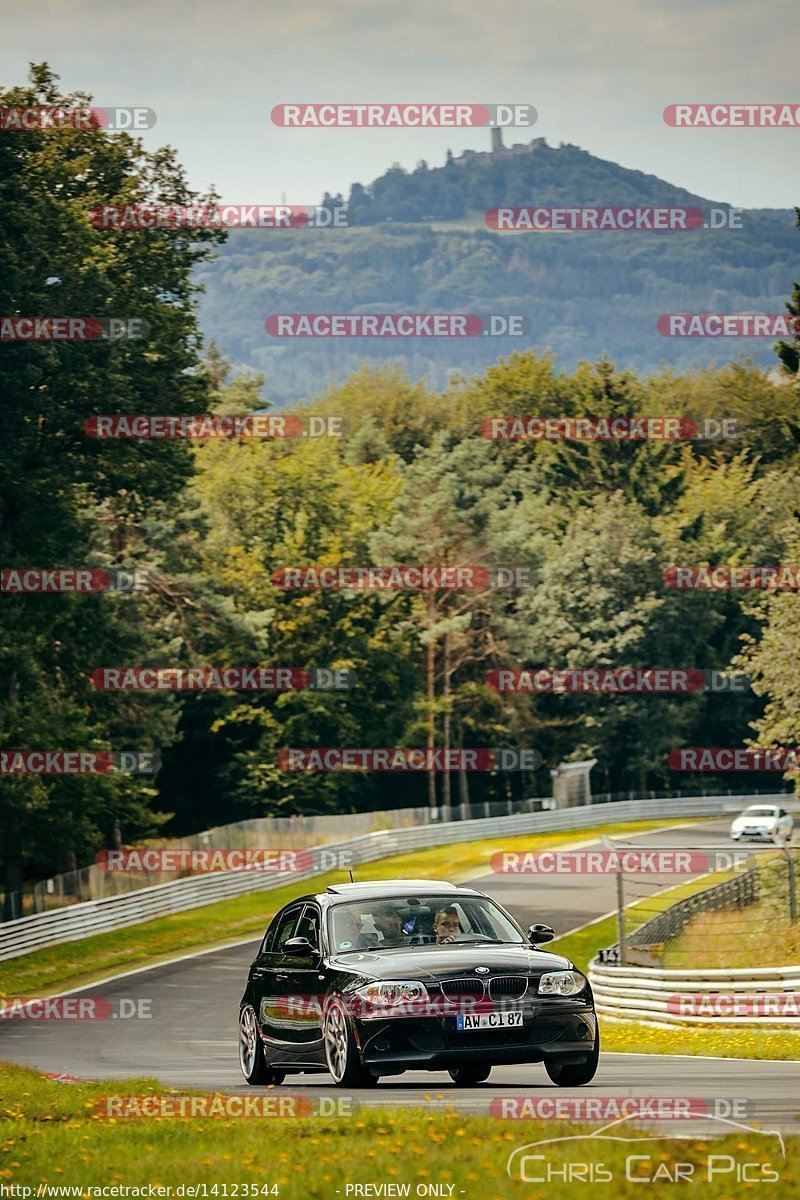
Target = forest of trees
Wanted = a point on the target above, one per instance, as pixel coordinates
(411, 480)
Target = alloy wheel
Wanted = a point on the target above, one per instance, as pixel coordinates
(336, 1041)
(248, 1041)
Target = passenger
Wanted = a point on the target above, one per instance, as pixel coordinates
(390, 924)
(446, 924)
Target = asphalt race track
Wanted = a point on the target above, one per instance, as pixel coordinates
(191, 1039)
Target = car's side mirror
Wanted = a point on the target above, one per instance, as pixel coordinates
(299, 946)
(540, 933)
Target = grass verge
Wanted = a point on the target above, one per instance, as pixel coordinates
(633, 1038)
(58, 968)
(51, 1134)
(724, 1042)
(736, 938)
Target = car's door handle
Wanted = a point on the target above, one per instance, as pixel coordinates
(261, 972)
(281, 977)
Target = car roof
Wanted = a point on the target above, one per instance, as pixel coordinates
(381, 889)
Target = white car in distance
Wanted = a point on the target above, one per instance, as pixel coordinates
(767, 822)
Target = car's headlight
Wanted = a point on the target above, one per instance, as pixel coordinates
(562, 983)
(389, 992)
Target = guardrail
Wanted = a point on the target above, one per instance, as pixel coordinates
(666, 998)
(79, 921)
(738, 892)
(91, 882)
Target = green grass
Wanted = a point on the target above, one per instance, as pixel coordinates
(757, 933)
(632, 1037)
(51, 1133)
(724, 1042)
(73, 963)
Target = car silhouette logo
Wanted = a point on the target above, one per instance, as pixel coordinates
(642, 1137)
(481, 970)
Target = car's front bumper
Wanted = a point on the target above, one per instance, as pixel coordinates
(559, 1029)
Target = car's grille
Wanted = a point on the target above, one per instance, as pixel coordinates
(462, 987)
(514, 986)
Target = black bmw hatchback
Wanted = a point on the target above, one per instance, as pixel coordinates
(373, 979)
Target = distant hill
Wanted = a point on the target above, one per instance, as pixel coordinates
(530, 173)
(418, 243)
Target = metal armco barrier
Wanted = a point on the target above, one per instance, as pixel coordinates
(661, 998)
(740, 891)
(117, 912)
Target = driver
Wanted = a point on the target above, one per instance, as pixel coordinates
(351, 935)
(446, 925)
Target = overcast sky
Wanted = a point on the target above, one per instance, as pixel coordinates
(599, 74)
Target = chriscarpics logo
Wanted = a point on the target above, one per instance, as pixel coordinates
(618, 1154)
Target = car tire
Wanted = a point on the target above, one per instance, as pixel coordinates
(252, 1059)
(575, 1074)
(469, 1074)
(341, 1052)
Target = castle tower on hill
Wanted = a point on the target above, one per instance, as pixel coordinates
(498, 150)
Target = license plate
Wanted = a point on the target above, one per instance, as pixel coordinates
(494, 1020)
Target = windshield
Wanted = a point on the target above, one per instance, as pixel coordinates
(758, 812)
(419, 920)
